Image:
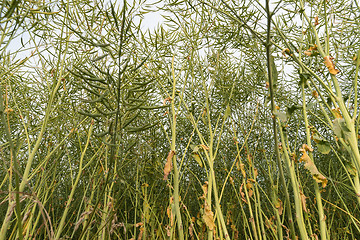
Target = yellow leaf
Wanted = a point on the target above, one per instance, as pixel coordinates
(208, 217)
(330, 65)
(197, 158)
(314, 48)
(256, 172)
(168, 164)
(168, 211)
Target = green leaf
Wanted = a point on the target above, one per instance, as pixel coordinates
(350, 167)
(310, 105)
(227, 112)
(282, 116)
(196, 148)
(303, 78)
(291, 110)
(324, 146)
(100, 57)
(340, 129)
(274, 72)
(197, 158)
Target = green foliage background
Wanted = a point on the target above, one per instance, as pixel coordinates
(193, 130)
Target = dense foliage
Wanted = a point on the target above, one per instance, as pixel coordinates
(229, 120)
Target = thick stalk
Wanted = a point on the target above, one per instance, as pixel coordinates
(323, 229)
(295, 186)
(350, 122)
(277, 153)
(212, 179)
(174, 162)
(217, 204)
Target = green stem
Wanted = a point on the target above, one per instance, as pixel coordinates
(323, 229)
(15, 172)
(277, 153)
(174, 162)
(295, 186)
(70, 198)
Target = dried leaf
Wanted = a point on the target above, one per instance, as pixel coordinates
(168, 230)
(303, 201)
(204, 147)
(205, 188)
(307, 53)
(191, 227)
(208, 217)
(249, 187)
(167, 100)
(309, 165)
(250, 192)
(242, 193)
(336, 112)
(315, 94)
(306, 148)
(142, 229)
(330, 65)
(231, 179)
(312, 51)
(250, 180)
(256, 172)
(279, 206)
(242, 168)
(168, 164)
(8, 110)
(285, 51)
